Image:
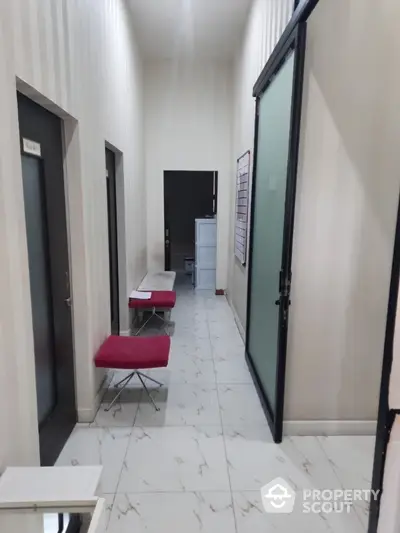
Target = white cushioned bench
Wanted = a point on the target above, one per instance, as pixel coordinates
(162, 281)
(158, 281)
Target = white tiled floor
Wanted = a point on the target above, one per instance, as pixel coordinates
(199, 463)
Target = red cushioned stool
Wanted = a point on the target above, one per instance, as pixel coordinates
(134, 353)
(159, 300)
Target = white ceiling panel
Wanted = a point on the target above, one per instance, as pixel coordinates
(189, 28)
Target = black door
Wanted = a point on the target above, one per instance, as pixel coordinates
(46, 226)
(112, 240)
(187, 195)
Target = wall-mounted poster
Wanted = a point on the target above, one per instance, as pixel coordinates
(242, 206)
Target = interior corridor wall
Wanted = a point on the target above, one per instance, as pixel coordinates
(82, 57)
(188, 126)
(348, 189)
(266, 22)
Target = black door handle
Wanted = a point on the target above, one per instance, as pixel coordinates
(278, 302)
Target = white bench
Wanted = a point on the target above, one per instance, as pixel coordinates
(158, 281)
(155, 281)
(37, 498)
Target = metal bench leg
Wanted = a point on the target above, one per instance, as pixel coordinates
(165, 322)
(155, 314)
(143, 326)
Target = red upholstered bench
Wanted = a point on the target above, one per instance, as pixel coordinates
(159, 300)
(134, 353)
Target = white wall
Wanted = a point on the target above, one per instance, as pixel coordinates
(188, 108)
(348, 189)
(81, 55)
(266, 22)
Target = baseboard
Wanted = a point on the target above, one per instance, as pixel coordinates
(125, 333)
(237, 320)
(87, 415)
(329, 427)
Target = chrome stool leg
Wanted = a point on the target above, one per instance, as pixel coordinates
(139, 374)
(127, 380)
(122, 380)
(148, 377)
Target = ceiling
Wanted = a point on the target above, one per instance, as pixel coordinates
(206, 29)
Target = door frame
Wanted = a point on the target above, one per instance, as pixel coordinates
(296, 42)
(167, 242)
(124, 324)
(54, 431)
(167, 248)
(110, 213)
(78, 238)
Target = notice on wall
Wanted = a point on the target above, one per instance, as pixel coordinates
(242, 206)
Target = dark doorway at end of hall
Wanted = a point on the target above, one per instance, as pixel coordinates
(188, 195)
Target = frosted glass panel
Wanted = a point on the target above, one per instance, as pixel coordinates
(39, 273)
(269, 210)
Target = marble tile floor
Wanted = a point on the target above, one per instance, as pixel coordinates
(199, 463)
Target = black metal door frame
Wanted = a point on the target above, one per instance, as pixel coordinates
(296, 43)
(112, 223)
(167, 229)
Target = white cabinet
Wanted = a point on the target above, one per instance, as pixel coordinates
(206, 253)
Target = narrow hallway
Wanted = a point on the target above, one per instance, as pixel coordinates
(199, 463)
(242, 145)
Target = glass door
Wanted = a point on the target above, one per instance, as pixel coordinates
(39, 273)
(276, 147)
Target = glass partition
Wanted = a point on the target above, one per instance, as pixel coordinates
(270, 183)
